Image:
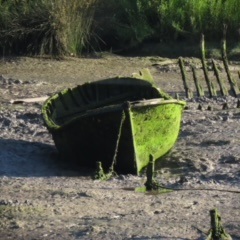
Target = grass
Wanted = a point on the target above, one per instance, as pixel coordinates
(58, 27)
(42, 27)
(188, 18)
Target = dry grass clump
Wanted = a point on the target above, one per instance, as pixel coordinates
(45, 26)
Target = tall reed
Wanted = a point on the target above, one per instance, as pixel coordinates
(45, 26)
(192, 17)
(75, 19)
(71, 26)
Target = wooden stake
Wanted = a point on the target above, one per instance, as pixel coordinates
(225, 106)
(211, 89)
(200, 107)
(184, 78)
(200, 92)
(232, 82)
(150, 174)
(209, 108)
(217, 232)
(219, 80)
(177, 96)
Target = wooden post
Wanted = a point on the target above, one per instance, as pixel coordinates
(188, 91)
(219, 80)
(200, 107)
(149, 174)
(225, 106)
(200, 92)
(232, 82)
(211, 89)
(177, 96)
(217, 232)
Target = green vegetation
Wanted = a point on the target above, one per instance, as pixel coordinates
(72, 26)
(45, 26)
(101, 175)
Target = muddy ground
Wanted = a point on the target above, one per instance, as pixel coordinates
(43, 198)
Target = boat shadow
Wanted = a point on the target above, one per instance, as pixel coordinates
(19, 158)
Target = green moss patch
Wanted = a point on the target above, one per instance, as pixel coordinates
(155, 130)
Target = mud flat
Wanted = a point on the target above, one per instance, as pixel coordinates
(43, 198)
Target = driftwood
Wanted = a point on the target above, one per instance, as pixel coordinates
(29, 100)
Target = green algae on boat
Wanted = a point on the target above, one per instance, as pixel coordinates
(155, 128)
(117, 122)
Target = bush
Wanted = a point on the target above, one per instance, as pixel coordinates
(58, 27)
(121, 23)
(52, 27)
(193, 17)
(127, 23)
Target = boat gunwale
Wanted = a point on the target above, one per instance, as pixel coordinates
(53, 126)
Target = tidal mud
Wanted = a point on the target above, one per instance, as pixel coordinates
(44, 198)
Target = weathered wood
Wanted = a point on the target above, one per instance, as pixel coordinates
(177, 96)
(200, 107)
(211, 89)
(225, 106)
(150, 174)
(200, 91)
(209, 108)
(217, 232)
(188, 91)
(219, 80)
(232, 82)
(29, 100)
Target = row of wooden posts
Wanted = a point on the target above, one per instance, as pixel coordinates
(234, 89)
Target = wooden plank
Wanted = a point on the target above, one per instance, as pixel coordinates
(29, 100)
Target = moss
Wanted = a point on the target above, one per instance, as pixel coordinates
(153, 192)
(155, 130)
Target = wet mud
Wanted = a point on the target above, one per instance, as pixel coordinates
(45, 198)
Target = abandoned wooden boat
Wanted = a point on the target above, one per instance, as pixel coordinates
(118, 122)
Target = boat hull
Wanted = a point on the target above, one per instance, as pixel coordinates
(120, 130)
(155, 129)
